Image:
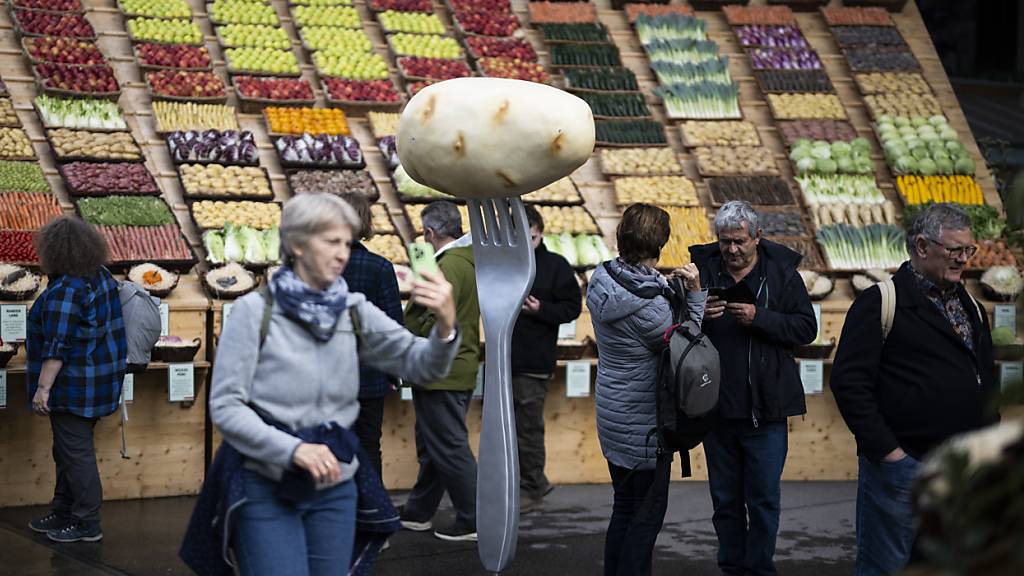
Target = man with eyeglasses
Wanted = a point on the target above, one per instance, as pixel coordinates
(902, 394)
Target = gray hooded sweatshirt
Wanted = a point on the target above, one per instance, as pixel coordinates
(630, 332)
(302, 382)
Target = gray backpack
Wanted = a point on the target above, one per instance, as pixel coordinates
(141, 314)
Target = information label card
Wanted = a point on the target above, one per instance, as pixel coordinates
(812, 374)
(478, 392)
(817, 317)
(128, 388)
(13, 322)
(406, 393)
(577, 379)
(165, 319)
(181, 382)
(225, 312)
(1005, 317)
(567, 331)
(1011, 374)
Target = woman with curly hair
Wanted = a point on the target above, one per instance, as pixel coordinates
(76, 363)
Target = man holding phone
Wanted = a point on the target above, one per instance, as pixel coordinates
(757, 311)
(442, 439)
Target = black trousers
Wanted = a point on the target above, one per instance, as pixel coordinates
(635, 525)
(446, 461)
(368, 428)
(78, 493)
(528, 396)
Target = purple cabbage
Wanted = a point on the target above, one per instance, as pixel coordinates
(213, 146)
(784, 59)
(771, 36)
(321, 150)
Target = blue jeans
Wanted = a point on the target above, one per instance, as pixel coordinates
(634, 526)
(885, 519)
(274, 537)
(744, 474)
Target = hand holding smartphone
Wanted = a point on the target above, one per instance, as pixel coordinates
(421, 258)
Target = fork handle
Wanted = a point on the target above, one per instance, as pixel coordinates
(497, 488)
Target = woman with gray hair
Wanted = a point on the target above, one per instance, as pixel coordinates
(284, 395)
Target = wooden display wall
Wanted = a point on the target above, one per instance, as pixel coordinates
(166, 440)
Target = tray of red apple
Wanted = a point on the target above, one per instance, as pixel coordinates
(377, 6)
(361, 96)
(153, 56)
(419, 69)
(51, 23)
(484, 22)
(411, 88)
(62, 50)
(52, 5)
(257, 92)
(515, 70)
(201, 86)
(478, 47)
(77, 81)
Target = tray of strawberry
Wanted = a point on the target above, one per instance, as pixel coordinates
(42, 23)
(53, 5)
(18, 247)
(401, 5)
(186, 86)
(769, 15)
(368, 94)
(633, 11)
(478, 47)
(846, 16)
(513, 69)
(62, 50)
(561, 12)
(414, 68)
(255, 92)
(70, 80)
(601, 80)
(160, 56)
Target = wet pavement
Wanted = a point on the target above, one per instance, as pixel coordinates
(564, 537)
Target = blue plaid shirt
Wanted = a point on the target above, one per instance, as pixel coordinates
(373, 276)
(78, 320)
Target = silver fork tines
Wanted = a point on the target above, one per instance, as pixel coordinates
(505, 269)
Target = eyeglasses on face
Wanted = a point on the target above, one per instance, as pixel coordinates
(956, 252)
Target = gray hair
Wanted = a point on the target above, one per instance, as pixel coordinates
(933, 220)
(306, 215)
(733, 215)
(443, 218)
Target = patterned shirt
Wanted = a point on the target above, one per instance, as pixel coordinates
(949, 304)
(374, 277)
(78, 320)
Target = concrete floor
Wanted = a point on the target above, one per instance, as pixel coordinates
(565, 537)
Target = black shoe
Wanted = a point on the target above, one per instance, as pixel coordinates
(414, 524)
(75, 532)
(49, 522)
(456, 533)
(529, 504)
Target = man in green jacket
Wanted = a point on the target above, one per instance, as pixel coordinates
(442, 439)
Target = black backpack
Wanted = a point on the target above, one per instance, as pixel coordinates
(689, 376)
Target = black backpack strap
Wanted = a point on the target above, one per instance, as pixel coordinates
(268, 311)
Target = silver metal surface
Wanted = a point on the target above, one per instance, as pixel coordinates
(505, 269)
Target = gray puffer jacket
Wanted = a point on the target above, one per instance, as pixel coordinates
(629, 332)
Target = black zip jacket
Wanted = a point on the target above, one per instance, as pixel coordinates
(784, 320)
(923, 385)
(535, 338)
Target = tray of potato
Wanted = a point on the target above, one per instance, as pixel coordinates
(560, 192)
(15, 145)
(729, 160)
(731, 133)
(640, 162)
(571, 219)
(897, 104)
(214, 214)
(381, 220)
(390, 246)
(806, 106)
(657, 190)
(217, 181)
(892, 83)
(8, 117)
(86, 146)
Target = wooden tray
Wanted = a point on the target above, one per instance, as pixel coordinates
(126, 14)
(190, 201)
(777, 118)
(358, 108)
(289, 164)
(250, 105)
(234, 72)
(13, 13)
(197, 99)
(134, 40)
(72, 191)
(175, 162)
(761, 82)
(373, 197)
(152, 68)
(191, 198)
(42, 87)
(802, 5)
(66, 159)
(687, 143)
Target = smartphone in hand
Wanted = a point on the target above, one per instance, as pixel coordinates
(421, 258)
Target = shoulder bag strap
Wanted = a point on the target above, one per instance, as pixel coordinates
(268, 310)
(888, 291)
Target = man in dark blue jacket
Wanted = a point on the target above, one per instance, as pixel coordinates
(374, 277)
(903, 393)
(755, 333)
(554, 299)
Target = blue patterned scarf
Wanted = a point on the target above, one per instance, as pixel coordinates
(317, 311)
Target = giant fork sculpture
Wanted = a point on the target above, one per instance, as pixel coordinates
(505, 269)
